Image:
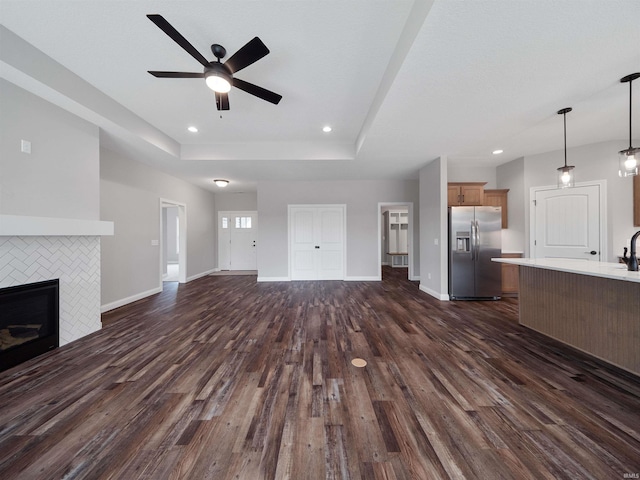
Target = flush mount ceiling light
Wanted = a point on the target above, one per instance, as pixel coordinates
(565, 173)
(220, 182)
(193, 129)
(629, 158)
(326, 129)
(497, 152)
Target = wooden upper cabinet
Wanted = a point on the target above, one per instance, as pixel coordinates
(636, 201)
(498, 198)
(465, 194)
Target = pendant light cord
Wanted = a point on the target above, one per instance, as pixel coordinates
(630, 91)
(564, 116)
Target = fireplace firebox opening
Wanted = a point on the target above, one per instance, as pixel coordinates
(29, 321)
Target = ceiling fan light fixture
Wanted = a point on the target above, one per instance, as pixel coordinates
(629, 157)
(221, 183)
(566, 178)
(217, 78)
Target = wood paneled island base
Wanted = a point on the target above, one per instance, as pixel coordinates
(600, 316)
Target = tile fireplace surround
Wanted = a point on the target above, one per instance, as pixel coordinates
(33, 249)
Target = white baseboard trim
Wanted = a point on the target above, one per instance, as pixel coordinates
(273, 279)
(440, 296)
(203, 274)
(131, 299)
(415, 278)
(363, 279)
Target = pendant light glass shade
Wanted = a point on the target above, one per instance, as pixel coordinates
(566, 177)
(629, 158)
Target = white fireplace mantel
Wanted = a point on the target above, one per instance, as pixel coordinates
(22, 226)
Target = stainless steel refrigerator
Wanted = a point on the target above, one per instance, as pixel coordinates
(475, 237)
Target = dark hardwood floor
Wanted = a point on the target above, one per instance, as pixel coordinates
(226, 378)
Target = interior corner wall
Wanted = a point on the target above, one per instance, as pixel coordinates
(511, 175)
(60, 177)
(433, 229)
(361, 198)
(597, 161)
(130, 194)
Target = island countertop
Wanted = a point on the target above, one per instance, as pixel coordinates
(613, 271)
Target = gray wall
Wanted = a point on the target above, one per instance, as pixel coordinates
(511, 175)
(60, 178)
(130, 197)
(465, 173)
(361, 199)
(433, 227)
(171, 235)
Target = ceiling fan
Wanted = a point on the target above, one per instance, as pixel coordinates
(219, 76)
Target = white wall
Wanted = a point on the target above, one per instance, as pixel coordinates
(60, 178)
(596, 161)
(130, 196)
(433, 227)
(361, 199)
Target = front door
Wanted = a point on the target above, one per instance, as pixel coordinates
(567, 223)
(237, 236)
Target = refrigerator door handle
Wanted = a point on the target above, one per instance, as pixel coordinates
(476, 241)
(473, 240)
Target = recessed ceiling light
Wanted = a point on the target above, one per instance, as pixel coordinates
(326, 129)
(497, 152)
(193, 129)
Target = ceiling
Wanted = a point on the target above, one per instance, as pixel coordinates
(400, 82)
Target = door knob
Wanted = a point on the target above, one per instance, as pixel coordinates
(592, 252)
(317, 246)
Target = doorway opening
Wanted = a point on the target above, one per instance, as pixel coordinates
(173, 242)
(395, 238)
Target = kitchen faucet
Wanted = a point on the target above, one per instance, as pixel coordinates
(632, 261)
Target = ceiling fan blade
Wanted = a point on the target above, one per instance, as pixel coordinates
(178, 38)
(222, 101)
(259, 92)
(155, 73)
(253, 51)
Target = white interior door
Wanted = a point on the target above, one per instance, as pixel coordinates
(567, 223)
(316, 235)
(237, 236)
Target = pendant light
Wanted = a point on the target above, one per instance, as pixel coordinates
(630, 157)
(565, 173)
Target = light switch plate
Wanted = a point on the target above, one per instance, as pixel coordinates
(25, 146)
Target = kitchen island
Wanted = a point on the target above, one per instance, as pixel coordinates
(592, 306)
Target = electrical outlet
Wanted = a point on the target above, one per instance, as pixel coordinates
(435, 241)
(428, 276)
(155, 243)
